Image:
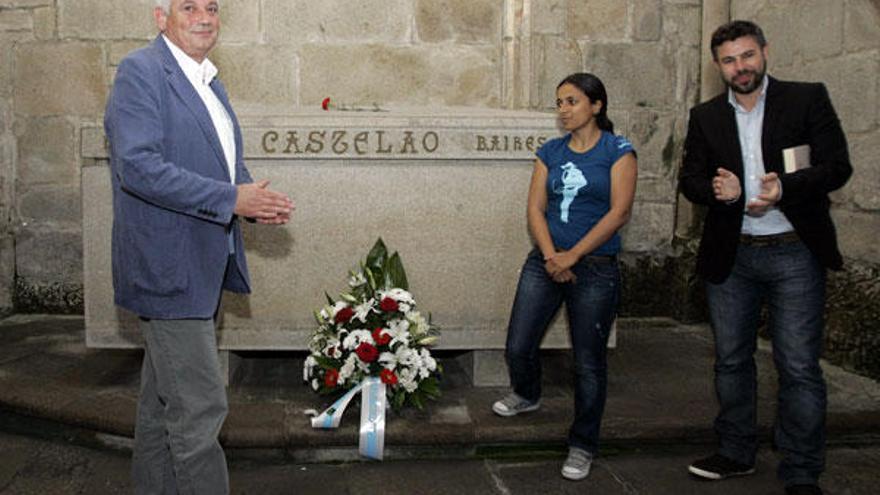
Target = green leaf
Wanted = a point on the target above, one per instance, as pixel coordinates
(330, 300)
(326, 363)
(417, 400)
(395, 275)
(398, 400)
(371, 280)
(428, 340)
(377, 256)
(430, 388)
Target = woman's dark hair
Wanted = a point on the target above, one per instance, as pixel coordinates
(592, 86)
(734, 30)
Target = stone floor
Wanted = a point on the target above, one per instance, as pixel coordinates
(68, 411)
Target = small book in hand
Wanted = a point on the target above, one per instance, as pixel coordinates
(796, 158)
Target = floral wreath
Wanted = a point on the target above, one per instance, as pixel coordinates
(375, 330)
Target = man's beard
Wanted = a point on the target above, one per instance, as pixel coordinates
(754, 84)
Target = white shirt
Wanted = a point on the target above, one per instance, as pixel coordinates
(200, 76)
(749, 125)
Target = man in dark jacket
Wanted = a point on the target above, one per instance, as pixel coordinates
(768, 238)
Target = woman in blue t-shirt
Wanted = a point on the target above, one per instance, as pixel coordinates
(581, 194)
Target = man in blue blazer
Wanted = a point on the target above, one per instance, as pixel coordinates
(179, 187)
(767, 238)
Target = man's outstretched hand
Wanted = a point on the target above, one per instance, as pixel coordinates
(262, 204)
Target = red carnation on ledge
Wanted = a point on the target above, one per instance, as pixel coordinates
(367, 352)
(388, 377)
(388, 305)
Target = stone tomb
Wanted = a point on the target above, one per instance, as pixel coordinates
(446, 190)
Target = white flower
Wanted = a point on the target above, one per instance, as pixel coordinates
(398, 330)
(354, 339)
(404, 308)
(307, 367)
(419, 325)
(347, 369)
(316, 384)
(406, 356)
(388, 360)
(428, 360)
(407, 379)
(362, 310)
(399, 295)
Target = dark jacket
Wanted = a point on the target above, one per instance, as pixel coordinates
(795, 113)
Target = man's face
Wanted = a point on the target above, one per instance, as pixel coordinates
(742, 63)
(192, 25)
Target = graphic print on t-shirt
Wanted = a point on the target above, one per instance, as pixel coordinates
(573, 180)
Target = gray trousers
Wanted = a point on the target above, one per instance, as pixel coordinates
(181, 408)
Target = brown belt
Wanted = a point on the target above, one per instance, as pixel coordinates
(769, 240)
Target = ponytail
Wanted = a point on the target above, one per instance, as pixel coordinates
(604, 122)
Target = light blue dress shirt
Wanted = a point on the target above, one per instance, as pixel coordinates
(749, 126)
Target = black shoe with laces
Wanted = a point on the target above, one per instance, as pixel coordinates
(718, 467)
(803, 490)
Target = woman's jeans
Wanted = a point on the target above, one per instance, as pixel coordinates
(792, 283)
(591, 304)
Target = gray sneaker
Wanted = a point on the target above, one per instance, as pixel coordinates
(513, 405)
(577, 465)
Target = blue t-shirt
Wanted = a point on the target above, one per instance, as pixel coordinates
(579, 188)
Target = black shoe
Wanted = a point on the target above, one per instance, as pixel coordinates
(803, 490)
(718, 467)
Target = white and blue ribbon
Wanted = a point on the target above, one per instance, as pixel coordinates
(373, 404)
(372, 435)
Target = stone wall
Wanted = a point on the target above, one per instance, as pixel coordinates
(58, 57)
(282, 57)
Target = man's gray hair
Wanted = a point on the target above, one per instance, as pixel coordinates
(165, 5)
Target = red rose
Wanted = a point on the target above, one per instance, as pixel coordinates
(344, 314)
(367, 352)
(388, 377)
(331, 377)
(381, 338)
(325, 104)
(388, 305)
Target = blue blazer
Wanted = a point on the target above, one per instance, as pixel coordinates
(172, 197)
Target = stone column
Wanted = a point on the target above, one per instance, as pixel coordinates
(715, 13)
(7, 271)
(517, 59)
(7, 241)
